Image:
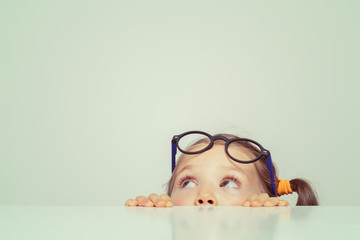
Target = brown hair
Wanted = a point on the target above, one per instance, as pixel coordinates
(306, 194)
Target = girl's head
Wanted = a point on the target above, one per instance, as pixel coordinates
(212, 178)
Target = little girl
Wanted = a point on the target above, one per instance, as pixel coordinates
(224, 170)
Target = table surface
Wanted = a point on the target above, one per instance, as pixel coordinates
(117, 222)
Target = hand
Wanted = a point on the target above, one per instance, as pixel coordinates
(263, 200)
(153, 200)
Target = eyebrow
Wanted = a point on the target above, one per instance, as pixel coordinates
(190, 166)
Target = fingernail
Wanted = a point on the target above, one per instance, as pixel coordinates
(256, 204)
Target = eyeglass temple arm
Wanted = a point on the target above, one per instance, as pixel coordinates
(272, 177)
(173, 154)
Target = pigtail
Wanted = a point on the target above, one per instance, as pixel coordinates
(306, 194)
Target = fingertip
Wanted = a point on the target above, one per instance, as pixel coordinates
(153, 195)
(127, 202)
(148, 204)
(169, 204)
(140, 198)
(160, 203)
(262, 198)
(269, 204)
(256, 204)
(144, 201)
(274, 200)
(246, 204)
(283, 203)
(165, 197)
(131, 203)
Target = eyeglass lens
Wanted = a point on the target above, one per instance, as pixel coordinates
(244, 150)
(194, 142)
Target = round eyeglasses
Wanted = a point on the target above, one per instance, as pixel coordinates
(195, 142)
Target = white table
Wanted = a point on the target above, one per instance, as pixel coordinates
(117, 222)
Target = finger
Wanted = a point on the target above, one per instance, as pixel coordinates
(246, 204)
(274, 200)
(140, 199)
(252, 197)
(160, 203)
(155, 198)
(167, 200)
(262, 198)
(256, 204)
(165, 197)
(269, 203)
(283, 203)
(169, 204)
(131, 203)
(144, 201)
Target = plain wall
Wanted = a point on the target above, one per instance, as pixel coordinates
(91, 92)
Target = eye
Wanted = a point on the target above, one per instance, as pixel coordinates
(230, 182)
(186, 181)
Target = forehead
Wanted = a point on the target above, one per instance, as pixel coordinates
(236, 149)
(217, 157)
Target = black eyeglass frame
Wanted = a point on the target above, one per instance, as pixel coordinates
(263, 152)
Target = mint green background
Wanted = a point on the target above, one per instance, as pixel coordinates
(91, 92)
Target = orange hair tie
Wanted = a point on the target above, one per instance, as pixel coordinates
(284, 187)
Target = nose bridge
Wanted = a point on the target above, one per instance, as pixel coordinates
(206, 197)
